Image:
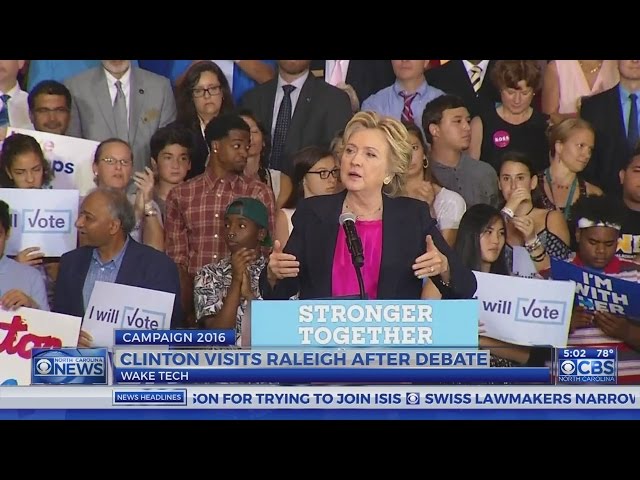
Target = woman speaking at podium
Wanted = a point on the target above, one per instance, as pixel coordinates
(392, 239)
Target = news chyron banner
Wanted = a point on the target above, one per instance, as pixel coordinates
(26, 329)
(70, 159)
(329, 341)
(42, 218)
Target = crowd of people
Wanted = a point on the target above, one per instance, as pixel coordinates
(224, 181)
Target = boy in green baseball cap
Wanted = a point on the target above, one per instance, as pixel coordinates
(223, 290)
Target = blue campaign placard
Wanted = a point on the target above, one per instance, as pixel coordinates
(597, 291)
(358, 323)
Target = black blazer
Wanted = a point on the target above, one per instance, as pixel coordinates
(365, 76)
(453, 78)
(406, 223)
(142, 266)
(199, 152)
(321, 111)
(611, 151)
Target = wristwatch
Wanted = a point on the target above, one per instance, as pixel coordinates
(149, 210)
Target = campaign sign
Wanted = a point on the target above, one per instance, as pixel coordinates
(597, 291)
(113, 306)
(42, 218)
(25, 329)
(70, 159)
(525, 311)
(587, 366)
(384, 323)
(69, 366)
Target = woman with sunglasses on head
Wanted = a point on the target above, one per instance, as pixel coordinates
(315, 172)
(446, 206)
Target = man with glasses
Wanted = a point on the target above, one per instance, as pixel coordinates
(118, 99)
(50, 107)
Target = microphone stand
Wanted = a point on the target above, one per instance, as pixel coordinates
(358, 262)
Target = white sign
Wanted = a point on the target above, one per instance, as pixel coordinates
(525, 311)
(26, 328)
(71, 159)
(523, 266)
(113, 306)
(42, 218)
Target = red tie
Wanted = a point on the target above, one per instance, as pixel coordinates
(407, 113)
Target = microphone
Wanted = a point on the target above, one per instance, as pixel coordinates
(348, 222)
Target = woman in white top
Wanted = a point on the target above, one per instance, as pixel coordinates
(259, 149)
(446, 206)
(315, 172)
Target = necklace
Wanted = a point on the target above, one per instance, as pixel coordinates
(358, 215)
(593, 70)
(532, 207)
(566, 211)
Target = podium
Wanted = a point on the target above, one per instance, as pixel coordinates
(370, 323)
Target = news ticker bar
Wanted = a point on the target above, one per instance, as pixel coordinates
(267, 397)
(330, 375)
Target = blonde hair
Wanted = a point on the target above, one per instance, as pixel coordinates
(397, 137)
(560, 132)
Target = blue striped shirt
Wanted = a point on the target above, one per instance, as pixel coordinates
(100, 271)
(14, 275)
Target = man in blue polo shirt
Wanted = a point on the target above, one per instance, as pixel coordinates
(20, 285)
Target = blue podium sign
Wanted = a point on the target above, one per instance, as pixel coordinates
(357, 323)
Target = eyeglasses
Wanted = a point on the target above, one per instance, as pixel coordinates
(44, 111)
(212, 91)
(324, 174)
(125, 162)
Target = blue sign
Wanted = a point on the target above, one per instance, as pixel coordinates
(597, 291)
(75, 366)
(587, 366)
(357, 323)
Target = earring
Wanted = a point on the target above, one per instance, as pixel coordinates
(425, 162)
(387, 180)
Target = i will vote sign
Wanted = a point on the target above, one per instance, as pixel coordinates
(114, 306)
(42, 218)
(381, 323)
(525, 311)
(70, 159)
(597, 291)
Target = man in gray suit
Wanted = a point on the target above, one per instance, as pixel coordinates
(123, 101)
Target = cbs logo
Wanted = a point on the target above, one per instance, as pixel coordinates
(43, 366)
(568, 367)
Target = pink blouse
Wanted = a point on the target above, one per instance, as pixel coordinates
(344, 281)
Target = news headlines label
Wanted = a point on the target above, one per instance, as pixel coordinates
(64, 366)
(382, 323)
(156, 397)
(175, 338)
(327, 398)
(42, 218)
(595, 366)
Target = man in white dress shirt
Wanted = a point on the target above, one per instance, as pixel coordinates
(14, 109)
